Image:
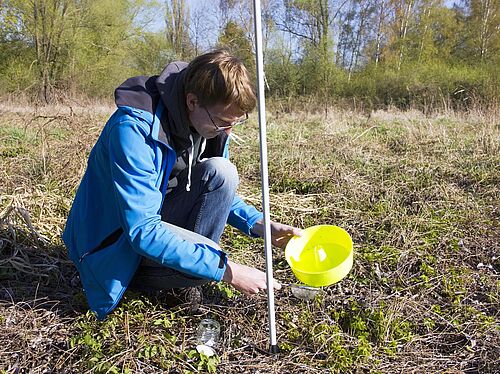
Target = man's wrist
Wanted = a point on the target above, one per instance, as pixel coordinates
(228, 274)
(258, 229)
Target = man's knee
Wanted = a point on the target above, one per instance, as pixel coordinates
(221, 173)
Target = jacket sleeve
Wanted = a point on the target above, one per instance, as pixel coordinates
(132, 163)
(243, 216)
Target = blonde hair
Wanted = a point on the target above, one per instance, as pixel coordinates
(220, 78)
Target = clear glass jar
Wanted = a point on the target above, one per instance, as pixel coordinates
(208, 332)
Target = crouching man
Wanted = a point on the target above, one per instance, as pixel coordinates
(159, 166)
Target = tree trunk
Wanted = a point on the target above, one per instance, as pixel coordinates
(378, 39)
(403, 30)
(484, 31)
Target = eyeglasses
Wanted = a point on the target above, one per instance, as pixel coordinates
(226, 125)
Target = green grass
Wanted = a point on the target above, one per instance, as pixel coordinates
(418, 194)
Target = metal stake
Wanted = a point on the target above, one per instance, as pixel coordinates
(264, 176)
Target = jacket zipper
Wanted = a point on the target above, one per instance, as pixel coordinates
(109, 240)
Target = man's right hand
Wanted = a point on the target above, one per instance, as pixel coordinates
(246, 279)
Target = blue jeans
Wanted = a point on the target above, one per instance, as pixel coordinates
(204, 209)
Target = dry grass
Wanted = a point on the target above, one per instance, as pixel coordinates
(419, 195)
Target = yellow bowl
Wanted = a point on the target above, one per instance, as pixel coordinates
(321, 256)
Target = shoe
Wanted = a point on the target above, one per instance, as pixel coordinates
(191, 296)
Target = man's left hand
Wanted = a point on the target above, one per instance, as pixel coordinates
(280, 233)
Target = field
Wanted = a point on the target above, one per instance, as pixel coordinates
(419, 194)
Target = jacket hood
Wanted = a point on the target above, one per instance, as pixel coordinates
(170, 84)
(144, 93)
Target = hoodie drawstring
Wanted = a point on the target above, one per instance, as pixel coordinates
(190, 161)
(202, 149)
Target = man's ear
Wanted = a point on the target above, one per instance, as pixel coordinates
(191, 101)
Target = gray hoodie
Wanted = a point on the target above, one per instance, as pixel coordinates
(144, 93)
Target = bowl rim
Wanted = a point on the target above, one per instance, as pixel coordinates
(348, 256)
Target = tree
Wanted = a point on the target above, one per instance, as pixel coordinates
(234, 38)
(44, 26)
(435, 32)
(198, 29)
(177, 28)
(76, 44)
(483, 28)
(345, 39)
(103, 41)
(310, 20)
(150, 53)
(403, 10)
(381, 14)
(361, 12)
(282, 73)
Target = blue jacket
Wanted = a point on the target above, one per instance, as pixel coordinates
(115, 217)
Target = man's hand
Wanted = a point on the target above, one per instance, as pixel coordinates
(246, 279)
(280, 233)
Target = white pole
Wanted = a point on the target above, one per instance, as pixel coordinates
(264, 176)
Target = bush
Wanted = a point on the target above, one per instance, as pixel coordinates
(425, 87)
